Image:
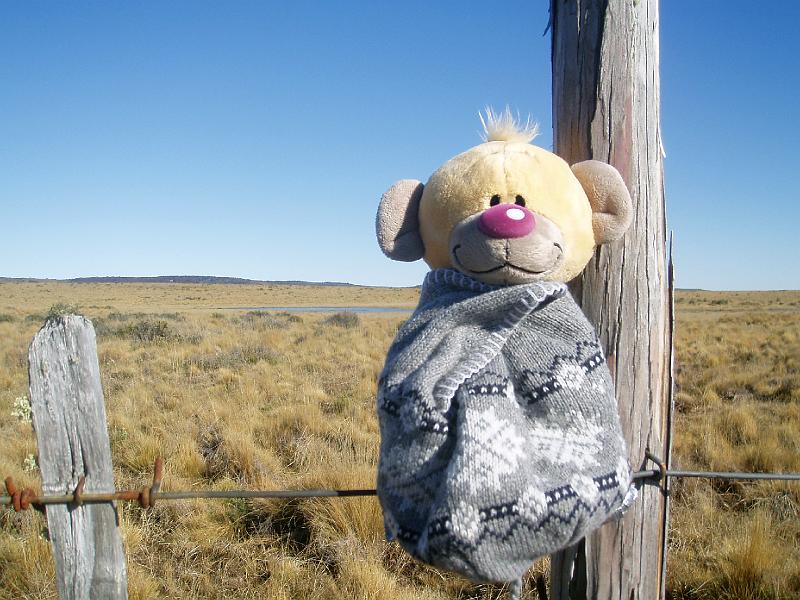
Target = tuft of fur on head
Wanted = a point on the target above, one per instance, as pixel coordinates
(504, 127)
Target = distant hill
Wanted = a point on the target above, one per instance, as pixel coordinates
(191, 279)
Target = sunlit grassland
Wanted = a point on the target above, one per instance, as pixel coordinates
(232, 398)
(737, 409)
(39, 296)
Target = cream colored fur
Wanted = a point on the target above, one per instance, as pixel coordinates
(464, 184)
(588, 204)
(503, 127)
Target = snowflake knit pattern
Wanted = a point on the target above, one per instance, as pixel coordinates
(500, 436)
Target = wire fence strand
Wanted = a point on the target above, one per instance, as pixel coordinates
(735, 475)
(21, 499)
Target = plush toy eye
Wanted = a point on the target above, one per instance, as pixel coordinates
(495, 200)
(520, 201)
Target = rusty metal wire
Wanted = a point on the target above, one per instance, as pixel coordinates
(22, 499)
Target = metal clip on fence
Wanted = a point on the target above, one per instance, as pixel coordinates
(147, 495)
(662, 468)
(77, 495)
(652, 476)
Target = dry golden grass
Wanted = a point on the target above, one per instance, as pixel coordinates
(125, 297)
(737, 409)
(238, 399)
(230, 399)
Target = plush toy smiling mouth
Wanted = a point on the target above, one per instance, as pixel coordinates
(506, 264)
(536, 269)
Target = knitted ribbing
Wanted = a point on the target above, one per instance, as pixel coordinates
(500, 439)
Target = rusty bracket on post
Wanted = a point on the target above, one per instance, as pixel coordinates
(22, 499)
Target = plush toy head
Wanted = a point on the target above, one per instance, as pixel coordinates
(506, 212)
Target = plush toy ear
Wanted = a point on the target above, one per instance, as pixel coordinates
(612, 210)
(397, 224)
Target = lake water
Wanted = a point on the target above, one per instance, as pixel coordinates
(324, 309)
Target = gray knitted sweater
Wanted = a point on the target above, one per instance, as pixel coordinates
(500, 438)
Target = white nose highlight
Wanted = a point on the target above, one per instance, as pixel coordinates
(515, 214)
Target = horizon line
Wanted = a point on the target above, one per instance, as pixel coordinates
(234, 280)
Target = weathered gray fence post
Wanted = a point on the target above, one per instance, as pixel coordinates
(606, 106)
(70, 421)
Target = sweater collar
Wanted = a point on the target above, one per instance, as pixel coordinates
(456, 280)
(440, 280)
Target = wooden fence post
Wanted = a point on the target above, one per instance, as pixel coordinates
(606, 106)
(70, 421)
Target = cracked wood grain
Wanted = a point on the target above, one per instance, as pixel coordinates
(606, 106)
(70, 421)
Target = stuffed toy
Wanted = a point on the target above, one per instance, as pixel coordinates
(500, 436)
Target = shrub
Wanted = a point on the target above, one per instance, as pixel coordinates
(124, 317)
(248, 354)
(147, 330)
(6, 318)
(346, 319)
(102, 327)
(268, 320)
(289, 317)
(59, 309)
(115, 316)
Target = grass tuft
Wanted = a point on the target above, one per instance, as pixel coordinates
(234, 358)
(147, 330)
(60, 309)
(346, 320)
(262, 319)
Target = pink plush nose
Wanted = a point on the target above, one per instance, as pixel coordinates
(506, 221)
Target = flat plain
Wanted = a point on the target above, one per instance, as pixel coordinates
(237, 398)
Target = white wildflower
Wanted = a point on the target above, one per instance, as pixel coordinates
(22, 409)
(30, 463)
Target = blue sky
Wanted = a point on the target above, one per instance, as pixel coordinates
(254, 139)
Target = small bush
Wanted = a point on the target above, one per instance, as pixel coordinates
(115, 316)
(268, 320)
(147, 330)
(249, 354)
(289, 317)
(170, 316)
(124, 317)
(6, 318)
(102, 327)
(59, 309)
(347, 320)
